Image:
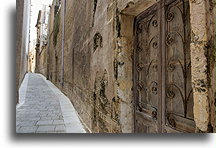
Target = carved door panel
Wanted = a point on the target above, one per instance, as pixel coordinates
(179, 97)
(146, 72)
(162, 77)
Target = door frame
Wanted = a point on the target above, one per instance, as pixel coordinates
(127, 13)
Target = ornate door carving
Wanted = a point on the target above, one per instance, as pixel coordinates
(162, 77)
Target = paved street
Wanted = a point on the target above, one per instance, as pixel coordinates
(44, 109)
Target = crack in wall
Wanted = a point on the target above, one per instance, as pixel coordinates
(94, 11)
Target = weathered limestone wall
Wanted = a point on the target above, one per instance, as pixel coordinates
(42, 67)
(54, 45)
(89, 73)
(92, 69)
(50, 49)
(22, 36)
(25, 39)
(211, 56)
(42, 43)
(98, 51)
(127, 10)
(199, 62)
(19, 8)
(203, 63)
(106, 104)
(31, 61)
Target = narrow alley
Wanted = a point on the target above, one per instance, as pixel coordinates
(127, 66)
(44, 109)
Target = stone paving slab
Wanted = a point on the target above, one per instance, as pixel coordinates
(60, 128)
(28, 129)
(46, 129)
(57, 122)
(45, 122)
(45, 109)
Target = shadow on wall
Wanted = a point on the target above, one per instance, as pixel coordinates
(12, 71)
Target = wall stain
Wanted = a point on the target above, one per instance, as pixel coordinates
(115, 65)
(115, 109)
(98, 41)
(201, 86)
(210, 56)
(56, 28)
(94, 11)
(101, 102)
(118, 23)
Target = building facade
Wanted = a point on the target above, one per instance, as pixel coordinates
(41, 45)
(32, 58)
(142, 66)
(22, 42)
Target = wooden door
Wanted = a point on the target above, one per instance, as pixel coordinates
(146, 72)
(162, 77)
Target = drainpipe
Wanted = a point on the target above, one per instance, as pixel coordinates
(63, 39)
(48, 42)
(48, 56)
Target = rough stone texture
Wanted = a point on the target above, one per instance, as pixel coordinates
(126, 12)
(31, 60)
(211, 55)
(98, 51)
(84, 78)
(42, 67)
(134, 7)
(103, 91)
(19, 22)
(54, 48)
(42, 43)
(203, 63)
(22, 36)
